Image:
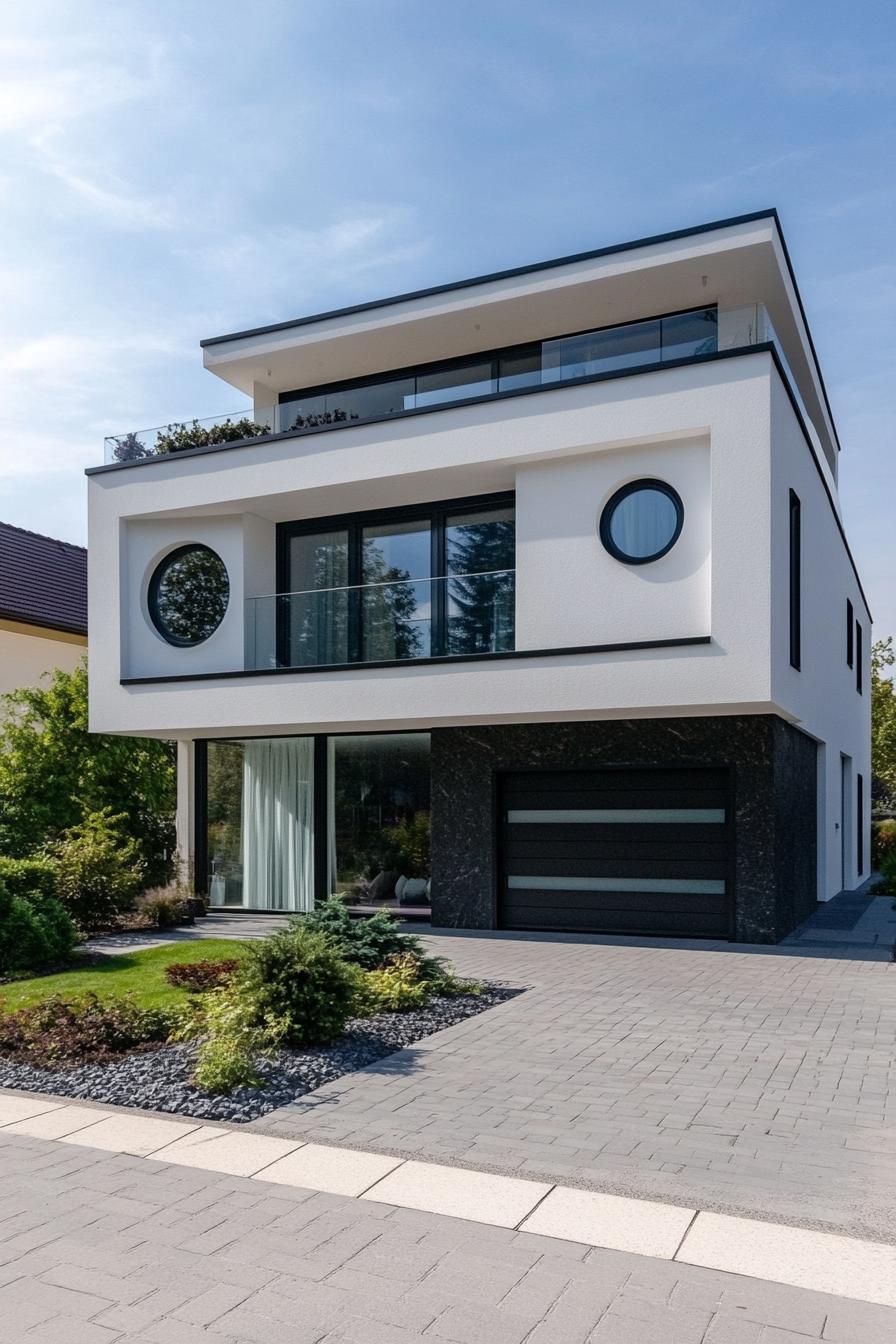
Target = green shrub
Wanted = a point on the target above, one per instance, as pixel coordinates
(199, 976)
(297, 978)
(397, 987)
(236, 1031)
(177, 438)
(25, 877)
(164, 912)
(98, 870)
(883, 841)
(79, 1031)
(35, 931)
(368, 942)
(887, 866)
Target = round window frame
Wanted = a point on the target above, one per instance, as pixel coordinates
(618, 497)
(155, 583)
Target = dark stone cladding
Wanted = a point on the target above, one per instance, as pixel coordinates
(773, 769)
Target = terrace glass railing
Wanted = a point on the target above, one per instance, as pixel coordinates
(544, 364)
(540, 364)
(393, 620)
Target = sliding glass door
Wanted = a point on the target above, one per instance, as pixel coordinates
(433, 582)
(260, 827)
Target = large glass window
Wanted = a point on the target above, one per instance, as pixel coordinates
(397, 587)
(378, 823)
(457, 384)
(480, 558)
(396, 569)
(582, 355)
(260, 823)
(316, 610)
(602, 351)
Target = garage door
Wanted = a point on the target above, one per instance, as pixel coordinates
(617, 851)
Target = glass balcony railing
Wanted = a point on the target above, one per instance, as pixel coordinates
(520, 368)
(178, 435)
(541, 364)
(390, 621)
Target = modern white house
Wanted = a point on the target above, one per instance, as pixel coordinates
(43, 606)
(553, 557)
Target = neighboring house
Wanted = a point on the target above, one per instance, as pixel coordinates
(43, 606)
(556, 553)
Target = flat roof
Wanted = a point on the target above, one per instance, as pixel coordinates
(530, 269)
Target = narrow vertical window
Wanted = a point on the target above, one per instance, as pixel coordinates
(794, 580)
(860, 826)
(850, 632)
(858, 658)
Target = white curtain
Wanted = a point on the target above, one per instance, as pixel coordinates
(277, 838)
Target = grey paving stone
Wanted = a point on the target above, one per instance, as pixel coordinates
(740, 1079)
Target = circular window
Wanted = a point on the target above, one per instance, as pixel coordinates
(188, 595)
(641, 522)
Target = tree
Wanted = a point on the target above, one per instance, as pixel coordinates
(54, 772)
(883, 722)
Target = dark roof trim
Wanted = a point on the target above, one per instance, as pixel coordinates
(509, 274)
(62, 627)
(425, 662)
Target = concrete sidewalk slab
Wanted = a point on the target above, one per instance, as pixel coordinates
(337, 1171)
(215, 1149)
(793, 1255)
(639, 1226)
(472, 1195)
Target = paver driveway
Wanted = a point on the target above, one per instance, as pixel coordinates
(101, 1249)
(748, 1080)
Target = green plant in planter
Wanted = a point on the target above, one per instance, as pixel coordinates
(178, 438)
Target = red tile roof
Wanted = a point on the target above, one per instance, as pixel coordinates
(42, 581)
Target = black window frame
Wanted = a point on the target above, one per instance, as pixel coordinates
(859, 656)
(155, 583)
(795, 521)
(494, 355)
(850, 633)
(618, 497)
(435, 514)
(860, 825)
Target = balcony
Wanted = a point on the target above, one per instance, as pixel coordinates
(398, 620)
(517, 369)
(582, 357)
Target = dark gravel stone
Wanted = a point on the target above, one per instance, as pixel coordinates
(159, 1080)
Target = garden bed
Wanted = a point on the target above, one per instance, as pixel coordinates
(159, 1079)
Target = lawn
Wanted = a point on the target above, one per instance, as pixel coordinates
(139, 973)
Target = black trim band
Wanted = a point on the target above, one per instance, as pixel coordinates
(425, 662)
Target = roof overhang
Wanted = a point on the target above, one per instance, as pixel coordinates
(731, 262)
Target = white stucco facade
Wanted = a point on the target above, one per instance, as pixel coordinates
(703, 631)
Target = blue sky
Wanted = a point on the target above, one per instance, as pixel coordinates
(171, 171)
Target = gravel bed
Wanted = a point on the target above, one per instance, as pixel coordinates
(159, 1080)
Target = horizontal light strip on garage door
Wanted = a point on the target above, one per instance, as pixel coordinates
(705, 885)
(618, 815)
